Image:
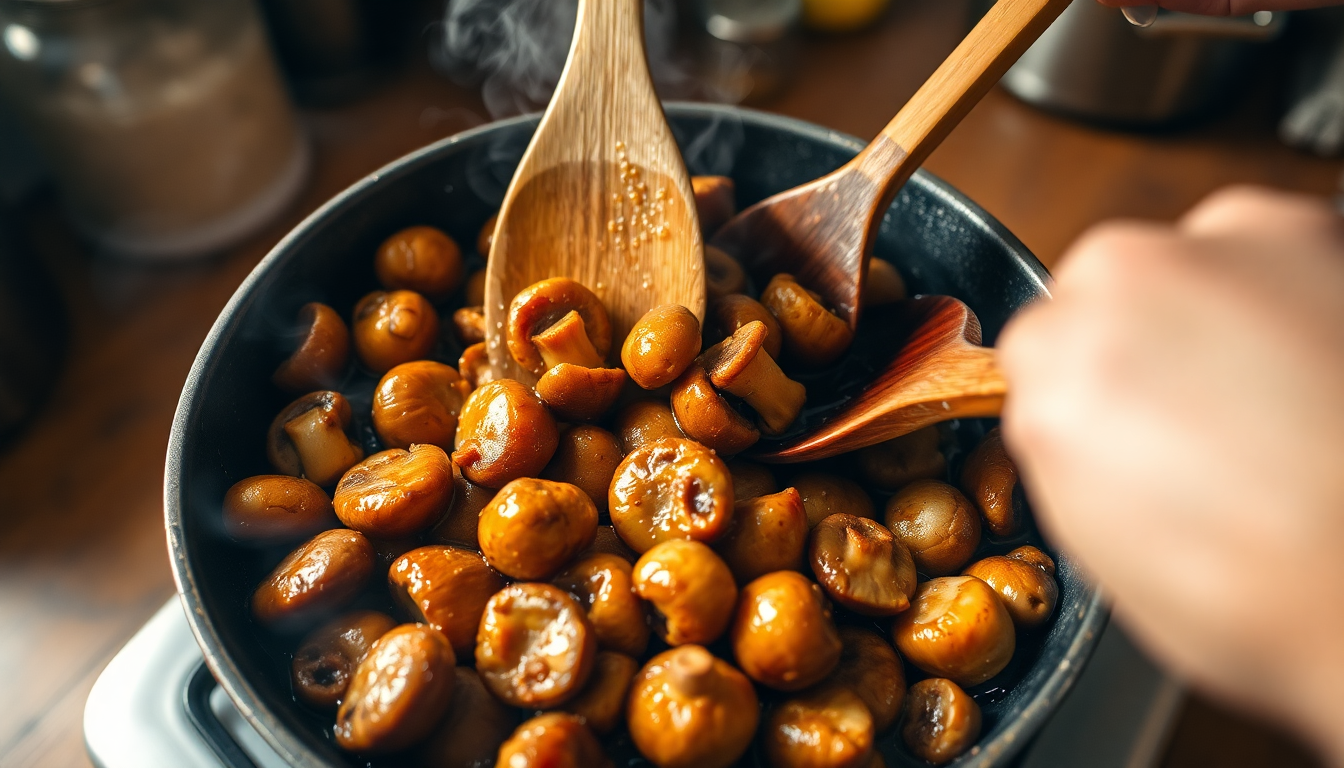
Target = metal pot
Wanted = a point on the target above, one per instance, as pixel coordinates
(942, 241)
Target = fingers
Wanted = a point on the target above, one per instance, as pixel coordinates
(1260, 214)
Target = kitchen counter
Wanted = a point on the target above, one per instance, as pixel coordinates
(82, 555)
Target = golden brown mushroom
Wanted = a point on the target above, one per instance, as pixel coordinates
(751, 479)
(1024, 580)
(322, 575)
(941, 721)
(644, 421)
(270, 508)
(308, 438)
(319, 359)
(690, 588)
(445, 587)
(989, 478)
(399, 692)
(394, 327)
(660, 346)
(474, 365)
(715, 202)
(420, 259)
(825, 494)
(576, 393)
(601, 704)
(671, 489)
(723, 273)
(473, 295)
(459, 525)
(703, 414)
(552, 740)
(533, 528)
(541, 305)
(587, 457)
(731, 312)
(603, 583)
(769, 533)
(469, 323)
(871, 669)
(328, 656)
(828, 727)
(418, 402)
(782, 635)
(936, 522)
(883, 285)
(688, 709)
(470, 735)
(861, 565)
(893, 464)
(813, 335)
(504, 432)
(740, 366)
(956, 628)
(535, 647)
(396, 493)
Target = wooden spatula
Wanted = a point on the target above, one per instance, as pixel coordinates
(602, 195)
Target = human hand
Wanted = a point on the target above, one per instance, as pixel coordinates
(1225, 7)
(1177, 413)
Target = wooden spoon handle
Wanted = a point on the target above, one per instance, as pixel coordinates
(1005, 32)
(608, 44)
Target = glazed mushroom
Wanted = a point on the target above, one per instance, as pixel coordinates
(703, 414)
(473, 730)
(320, 354)
(533, 528)
(445, 587)
(688, 709)
(751, 480)
(535, 647)
(660, 346)
(459, 525)
(715, 202)
(871, 669)
(396, 493)
(989, 478)
(587, 457)
(270, 508)
(735, 310)
(883, 285)
(671, 489)
(418, 402)
(504, 432)
(861, 565)
(893, 464)
(740, 366)
(308, 438)
(552, 740)
(601, 704)
(825, 728)
(690, 588)
(394, 327)
(469, 322)
(1024, 580)
(473, 295)
(486, 237)
(576, 393)
(936, 522)
(723, 273)
(825, 494)
(474, 365)
(941, 720)
(769, 533)
(782, 635)
(327, 658)
(603, 583)
(644, 421)
(399, 692)
(956, 628)
(813, 335)
(420, 259)
(322, 575)
(544, 304)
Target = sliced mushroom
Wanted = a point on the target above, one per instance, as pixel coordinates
(715, 202)
(399, 692)
(825, 494)
(421, 259)
(660, 346)
(603, 583)
(828, 727)
(723, 273)
(870, 667)
(883, 285)
(535, 647)
(323, 349)
(936, 522)
(543, 304)
(322, 575)
(533, 528)
(893, 464)
(394, 327)
(474, 365)
(308, 438)
(419, 402)
(269, 508)
(783, 636)
(469, 322)
(989, 478)
(691, 589)
(956, 628)
(813, 335)
(396, 493)
(1024, 580)
(601, 704)
(644, 421)
(941, 721)
(769, 533)
(671, 489)
(740, 366)
(576, 393)
(703, 414)
(504, 432)
(861, 565)
(445, 587)
(552, 740)
(328, 656)
(734, 310)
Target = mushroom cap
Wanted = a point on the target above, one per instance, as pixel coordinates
(474, 365)
(644, 421)
(936, 523)
(670, 489)
(418, 402)
(322, 574)
(769, 533)
(861, 565)
(690, 587)
(535, 647)
(989, 478)
(269, 508)
(870, 667)
(587, 457)
(575, 393)
(422, 259)
(504, 432)
(726, 361)
(783, 636)
(941, 720)
(705, 416)
(399, 693)
(540, 305)
(471, 733)
(689, 709)
(280, 448)
(958, 628)
(827, 727)
(603, 583)
(813, 335)
(396, 493)
(469, 322)
(533, 527)
(1027, 590)
(446, 587)
(660, 345)
(557, 739)
(732, 311)
(394, 327)
(326, 658)
(321, 355)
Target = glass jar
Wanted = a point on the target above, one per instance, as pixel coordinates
(163, 121)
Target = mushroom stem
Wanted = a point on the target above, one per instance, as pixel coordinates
(740, 366)
(567, 342)
(324, 450)
(691, 671)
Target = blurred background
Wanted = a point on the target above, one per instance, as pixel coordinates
(152, 151)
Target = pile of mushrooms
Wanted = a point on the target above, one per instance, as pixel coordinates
(592, 554)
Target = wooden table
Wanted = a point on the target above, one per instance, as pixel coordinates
(82, 556)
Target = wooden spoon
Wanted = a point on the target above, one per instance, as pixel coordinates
(822, 232)
(601, 195)
(940, 373)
